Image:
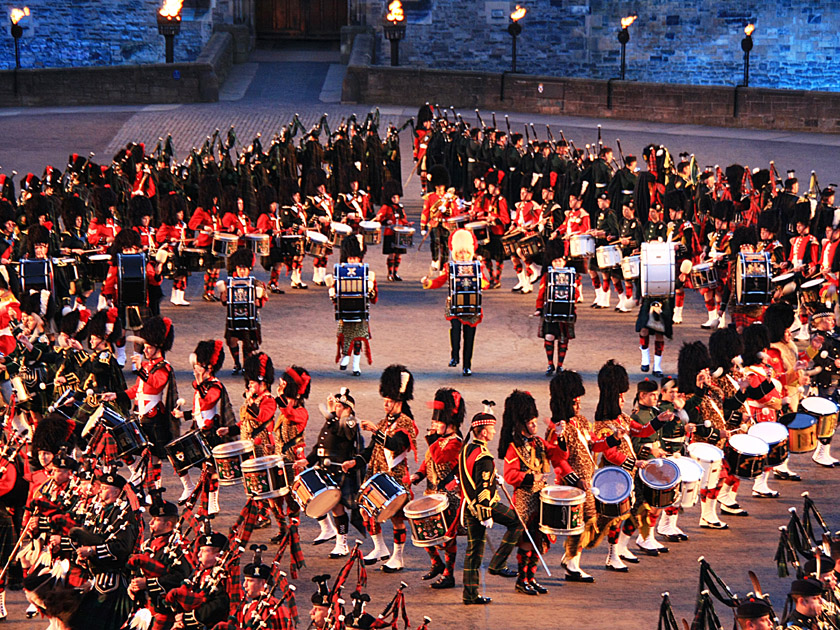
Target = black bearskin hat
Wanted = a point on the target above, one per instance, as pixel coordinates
(735, 179)
(258, 367)
(97, 325)
(778, 318)
(396, 383)
(351, 247)
(321, 597)
(126, 239)
(210, 353)
(554, 249)
(298, 382)
(140, 207)
(564, 388)
(760, 178)
(70, 323)
(170, 206)
(756, 341)
(802, 212)
(158, 332)
(724, 210)
(576, 189)
(612, 382)
(37, 235)
(242, 257)
(267, 196)
(104, 198)
(209, 189)
(390, 189)
(724, 345)
(768, 221)
(693, 358)
(742, 235)
(520, 409)
(72, 207)
(51, 433)
(438, 176)
(424, 113)
(7, 212)
(449, 407)
(675, 199)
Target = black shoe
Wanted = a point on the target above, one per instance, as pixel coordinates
(445, 581)
(733, 510)
(387, 569)
(786, 476)
(478, 601)
(516, 290)
(658, 373)
(467, 372)
(550, 370)
(672, 538)
(645, 368)
(453, 362)
(237, 369)
(503, 572)
(682, 537)
(646, 552)
(773, 494)
(263, 523)
(397, 278)
(633, 560)
(525, 588)
(542, 590)
(609, 567)
(356, 373)
(207, 297)
(575, 576)
(278, 538)
(342, 367)
(436, 570)
(390, 277)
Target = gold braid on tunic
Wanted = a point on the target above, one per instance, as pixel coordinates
(248, 414)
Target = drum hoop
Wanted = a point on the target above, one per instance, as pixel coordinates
(612, 470)
(233, 448)
(746, 439)
(265, 462)
(441, 505)
(546, 496)
(662, 486)
(702, 448)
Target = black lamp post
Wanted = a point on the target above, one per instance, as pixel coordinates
(17, 30)
(515, 29)
(623, 38)
(747, 46)
(169, 25)
(394, 29)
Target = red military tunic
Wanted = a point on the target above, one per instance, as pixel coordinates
(237, 223)
(149, 389)
(203, 222)
(101, 234)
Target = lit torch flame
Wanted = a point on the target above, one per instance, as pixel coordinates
(748, 29)
(171, 9)
(395, 12)
(625, 22)
(18, 14)
(518, 14)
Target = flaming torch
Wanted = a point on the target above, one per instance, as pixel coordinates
(746, 46)
(515, 28)
(169, 25)
(623, 38)
(394, 29)
(16, 16)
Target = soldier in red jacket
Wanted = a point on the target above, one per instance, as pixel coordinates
(205, 221)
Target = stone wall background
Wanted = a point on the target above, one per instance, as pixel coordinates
(672, 41)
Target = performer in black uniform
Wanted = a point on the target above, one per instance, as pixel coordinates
(808, 605)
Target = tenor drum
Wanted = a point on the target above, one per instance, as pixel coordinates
(510, 242)
(691, 473)
(658, 267)
(746, 455)
(582, 246)
(316, 492)
(229, 458)
(188, 451)
(776, 436)
(561, 510)
(381, 497)
(710, 458)
(560, 295)
(456, 222)
(403, 236)
(372, 231)
(428, 517)
(290, 245)
(224, 244)
(260, 244)
(612, 488)
(193, 259)
(825, 411)
(631, 267)
(530, 245)
(35, 275)
(96, 266)
(317, 245)
(267, 477)
(753, 278)
(704, 276)
(660, 482)
(481, 231)
(810, 291)
(608, 256)
(67, 266)
(340, 231)
(129, 438)
(802, 431)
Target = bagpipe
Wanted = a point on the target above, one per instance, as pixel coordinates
(798, 538)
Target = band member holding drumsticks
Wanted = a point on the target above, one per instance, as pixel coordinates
(437, 206)
(526, 217)
(320, 209)
(172, 234)
(553, 333)
(390, 214)
(128, 242)
(529, 460)
(393, 439)
(270, 221)
(717, 251)
(576, 222)
(440, 469)
(803, 257)
(493, 208)
(205, 220)
(605, 229)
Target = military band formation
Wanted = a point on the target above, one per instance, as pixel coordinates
(86, 252)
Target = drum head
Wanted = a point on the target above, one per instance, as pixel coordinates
(613, 484)
(316, 236)
(818, 406)
(705, 452)
(426, 506)
(233, 448)
(812, 284)
(565, 495)
(784, 278)
(370, 225)
(660, 474)
(323, 501)
(798, 421)
(690, 470)
(341, 228)
(749, 444)
(770, 432)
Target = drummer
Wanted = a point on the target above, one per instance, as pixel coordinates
(235, 219)
(629, 238)
(440, 470)
(493, 208)
(717, 252)
(172, 235)
(390, 214)
(526, 217)
(206, 221)
(294, 223)
(242, 262)
(320, 211)
(803, 257)
(73, 243)
(129, 242)
(575, 223)
(270, 221)
(437, 206)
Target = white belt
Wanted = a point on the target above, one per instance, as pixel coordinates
(392, 461)
(147, 402)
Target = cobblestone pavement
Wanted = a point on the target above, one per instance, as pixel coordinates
(408, 327)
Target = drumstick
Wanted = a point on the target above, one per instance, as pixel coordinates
(530, 539)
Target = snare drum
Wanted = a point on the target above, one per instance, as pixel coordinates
(691, 473)
(266, 477)
(704, 276)
(582, 246)
(510, 243)
(785, 283)
(612, 488)
(229, 459)
(260, 244)
(456, 222)
(429, 520)
(802, 431)
(372, 231)
(187, 451)
(631, 267)
(403, 236)
(67, 266)
(710, 458)
(316, 492)
(811, 293)
(658, 267)
(317, 245)
(825, 411)
(561, 510)
(129, 438)
(776, 436)
(224, 244)
(481, 231)
(96, 266)
(746, 455)
(529, 245)
(752, 278)
(340, 231)
(608, 256)
(192, 259)
(660, 482)
(290, 245)
(381, 497)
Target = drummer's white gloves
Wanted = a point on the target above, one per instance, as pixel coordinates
(161, 255)
(220, 288)
(488, 524)
(422, 232)
(329, 280)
